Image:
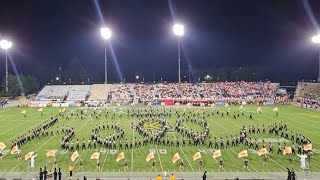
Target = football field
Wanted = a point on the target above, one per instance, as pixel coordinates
(302, 121)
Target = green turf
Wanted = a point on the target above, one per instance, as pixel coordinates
(12, 124)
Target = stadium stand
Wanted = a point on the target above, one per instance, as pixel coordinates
(126, 93)
(167, 90)
(121, 93)
(54, 92)
(99, 92)
(308, 95)
(144, 92)
(79, 92)
(188, 90)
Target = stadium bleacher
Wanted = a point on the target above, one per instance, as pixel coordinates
(78, 92)
(125, 93)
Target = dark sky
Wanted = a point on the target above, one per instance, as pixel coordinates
(224, 33)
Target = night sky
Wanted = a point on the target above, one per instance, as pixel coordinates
(218, 33)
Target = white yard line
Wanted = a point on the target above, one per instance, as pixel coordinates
(187, 159)
(78, 159)
(105, 158)
(159, 158)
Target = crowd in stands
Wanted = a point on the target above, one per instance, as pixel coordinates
(121, 93)
(99, 92)
(309, 95)
(144, 92)
(126, 93)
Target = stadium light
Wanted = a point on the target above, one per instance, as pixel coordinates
(105, 33)
(316, 40)
(178, 30)
(137, 77)
(57, 78)
(5, 45)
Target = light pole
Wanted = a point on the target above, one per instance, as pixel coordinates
(105, 32)
(4, 44)
(178, 30)
(316, 40)
(60, 74)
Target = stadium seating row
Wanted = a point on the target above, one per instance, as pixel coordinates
(147, 92)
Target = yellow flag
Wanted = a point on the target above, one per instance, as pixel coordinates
(95, 155)
(120, 156)
(23, 111)
(216, 153)
(2, 146)
(226, 105)
(287, 150)
(262, 151)
(241, 107)
(132, 104)
(196, 156)
(74, 156)
(51, 153)
(28, 155)
(275, 109)
(149, 103)
(258, 109)
(307, 147)
(40, 110)
(243, 153)
(175, 157)
(63, 110)
(70, 168)
(212, 105)
(14, 149)
(118, 104)
(150, 156)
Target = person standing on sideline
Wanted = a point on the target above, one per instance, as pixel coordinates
(159, 177)
(55, 174)
(40, 174)
(59, 174)
(70, 170)
(172, 177)
(204, 176)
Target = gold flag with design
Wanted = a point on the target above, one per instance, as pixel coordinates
(287, 150)
(74, 156)
(14, 149)
(243, 153)
(262, 151)
(196, 156)
(175, 157)
(216, 153)
(51, 153)
(275, 109)
(95, 155)
(40, 110)
(307, 147)
(120, 156)
(150, 156)
(28, 155)
(2, 146)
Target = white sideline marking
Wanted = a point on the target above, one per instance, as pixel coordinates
(159, 158)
